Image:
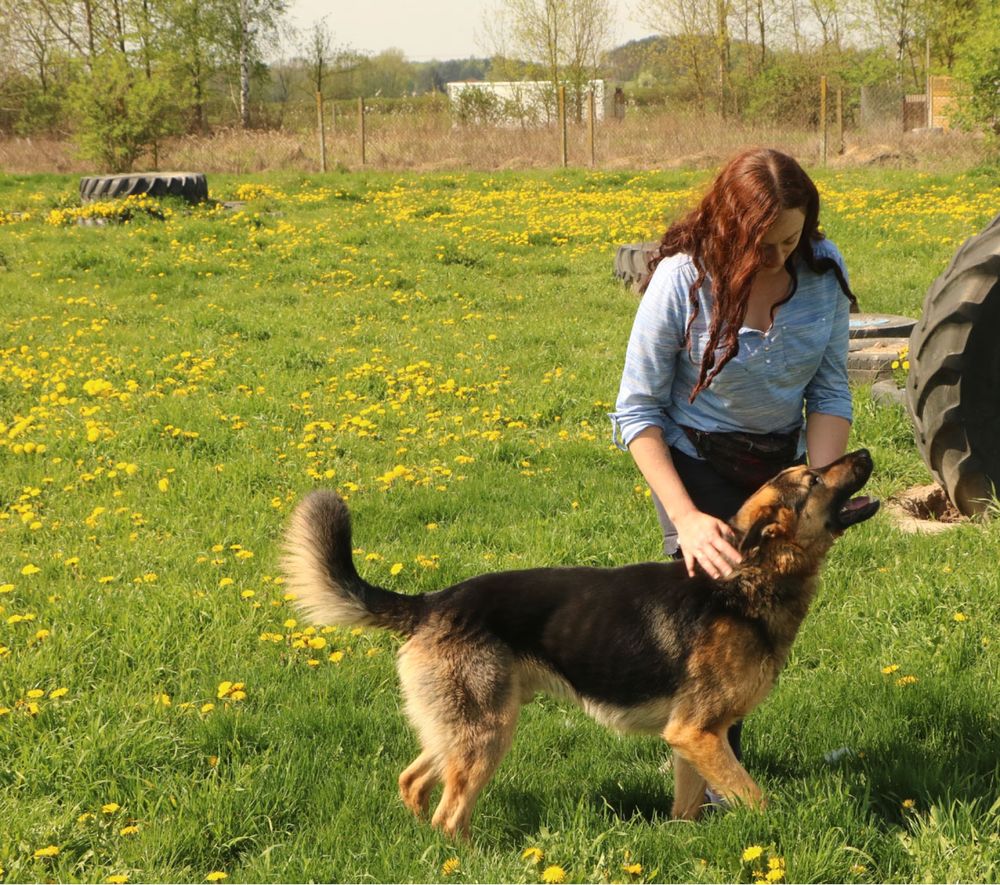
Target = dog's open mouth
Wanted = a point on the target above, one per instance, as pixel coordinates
(857, 510)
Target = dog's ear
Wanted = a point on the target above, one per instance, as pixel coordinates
(765, 528)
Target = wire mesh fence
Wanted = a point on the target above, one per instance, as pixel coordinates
(394, 135)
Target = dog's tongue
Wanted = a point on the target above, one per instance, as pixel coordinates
(858, 510)
(855, 504)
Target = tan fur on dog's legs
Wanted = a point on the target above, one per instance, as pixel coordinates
(416, 783)
(469, 768)
(689, 790)
(709, 752)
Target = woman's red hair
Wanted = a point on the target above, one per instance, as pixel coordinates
(723, 238)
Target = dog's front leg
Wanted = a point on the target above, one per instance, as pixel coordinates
(708, 751)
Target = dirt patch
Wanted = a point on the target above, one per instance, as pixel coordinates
(924, 509)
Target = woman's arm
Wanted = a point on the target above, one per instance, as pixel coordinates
(826, 438)
(703, 538)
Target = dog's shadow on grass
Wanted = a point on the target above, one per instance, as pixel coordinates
(936, 760)
(635, 801)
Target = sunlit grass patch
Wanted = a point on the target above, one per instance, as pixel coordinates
(443, 350)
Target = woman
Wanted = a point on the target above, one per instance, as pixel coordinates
(742, 330)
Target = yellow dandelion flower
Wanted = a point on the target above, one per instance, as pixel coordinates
(225, 582)
(533, 854)
(752, 853)
(58, 693)
(909, 803)
(397, 567)
(449, 866)
(633, 869)
(128, 831)
(336, 657)
(47, 851)
(110, 807)
(775, 875)
(116, 879)
(86, 816)
(216, 876)
(30, 569)
(892, 668)
(959, 616)
(35, 693)
(553, 874)
(164, 484)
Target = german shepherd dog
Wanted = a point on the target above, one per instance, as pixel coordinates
(641, 648)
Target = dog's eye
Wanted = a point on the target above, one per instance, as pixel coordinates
(813, 479)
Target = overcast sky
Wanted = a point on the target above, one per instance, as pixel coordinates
(423, 29)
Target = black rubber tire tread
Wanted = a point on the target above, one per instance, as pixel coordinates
(192, 186)
(945, 349)
(631, 264)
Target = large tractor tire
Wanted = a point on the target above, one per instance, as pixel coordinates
(631, 264)
(953, 389)
(192, 186)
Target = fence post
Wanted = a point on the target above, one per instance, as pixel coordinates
(563, 145)
(592, 125)
(840, 120)
(822, 120)
(361, 127)
(322, 134)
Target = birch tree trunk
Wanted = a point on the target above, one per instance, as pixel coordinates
(245, 38)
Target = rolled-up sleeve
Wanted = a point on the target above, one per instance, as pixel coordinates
(829, 391)
(648, 376)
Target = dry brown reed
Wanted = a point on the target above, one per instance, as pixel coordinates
(430, 141)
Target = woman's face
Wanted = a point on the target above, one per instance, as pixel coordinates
(780, 240)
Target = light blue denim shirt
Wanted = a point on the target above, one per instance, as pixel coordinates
(799, 364)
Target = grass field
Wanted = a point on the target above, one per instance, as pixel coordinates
(443, 350)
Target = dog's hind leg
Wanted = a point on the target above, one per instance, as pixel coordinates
(709, 752)
(462, 702)
(468, 767)
(689, 790)
(416, 783)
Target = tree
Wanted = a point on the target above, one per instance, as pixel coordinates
(121, 113)
(690, 25)
(565, 37)
(195, 27)
(246, 26)
(947, 24)
(978, 72)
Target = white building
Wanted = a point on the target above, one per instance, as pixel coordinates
(522, 103)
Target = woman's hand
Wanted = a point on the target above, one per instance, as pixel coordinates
(707, 541)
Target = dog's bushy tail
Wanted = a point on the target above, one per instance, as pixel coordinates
(319, 570)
